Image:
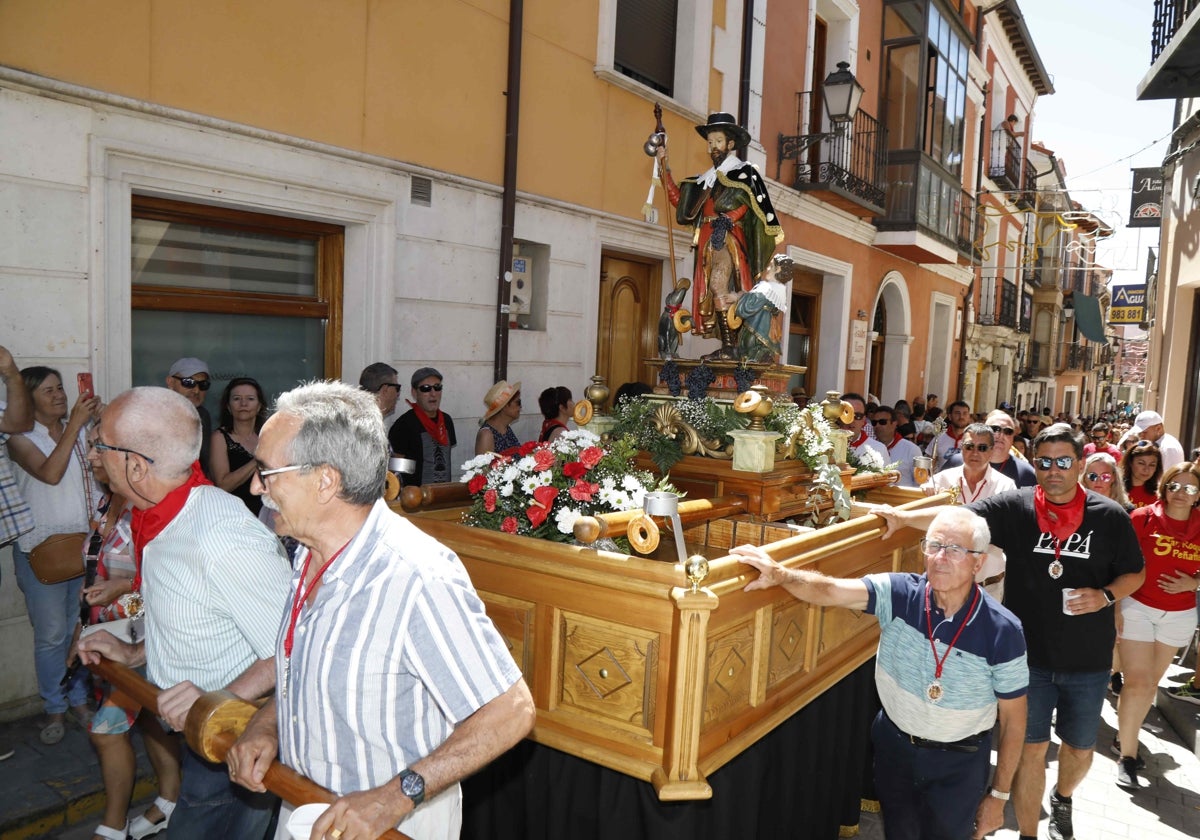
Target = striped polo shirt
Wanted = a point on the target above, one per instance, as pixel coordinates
(215, 582)
(395, 651)
(986, 663)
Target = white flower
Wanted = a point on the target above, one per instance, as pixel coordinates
(637, 498)
(532, 482)
(631, 483)
(565, 518)
(510, 474)
(506, 490)
(527, 464)
(476, 465)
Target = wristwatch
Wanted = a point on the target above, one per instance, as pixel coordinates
(1003, 797)
(413, 786)
(1108, 596)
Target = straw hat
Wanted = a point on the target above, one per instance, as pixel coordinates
(497, 397)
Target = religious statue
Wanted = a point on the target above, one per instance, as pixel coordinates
(736, 229)
(758, 314)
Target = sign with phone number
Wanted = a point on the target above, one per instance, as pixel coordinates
(1126, 314)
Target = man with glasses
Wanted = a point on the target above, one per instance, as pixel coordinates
(1001, 455)
(860, 442)
(899, 451)
(951, 661)
(1071, 556)
(215, 582)
(189, 376)
(425, 433)
(1101, 441)
(393, 684)
(380, 379)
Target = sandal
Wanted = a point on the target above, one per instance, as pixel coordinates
(110, 833)
(142, 827)
(52, 733)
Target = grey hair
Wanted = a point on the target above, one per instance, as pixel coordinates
(981, 535)
(160, 424)
(340, 427)
(980, 430)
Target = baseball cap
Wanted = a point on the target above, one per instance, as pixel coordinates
(188, 366)
(1147, 419)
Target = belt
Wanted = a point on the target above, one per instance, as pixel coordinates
(993, 579)
(969, 744)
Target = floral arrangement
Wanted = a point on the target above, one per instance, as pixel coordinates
(543, 488)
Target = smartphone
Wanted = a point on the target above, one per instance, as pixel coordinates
(86, 389)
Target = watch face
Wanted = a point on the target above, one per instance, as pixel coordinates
(413, 786)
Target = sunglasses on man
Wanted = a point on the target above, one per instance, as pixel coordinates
(425, 389)
(190, 383)
(1063, 462)
(1002, 430)
(976, 447)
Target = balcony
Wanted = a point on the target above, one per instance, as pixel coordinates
(1038, 358)
(1027, 198)
(845, 168)
(1074, 356)
(989, 314)
(1174, 47)
(1004, 162)
(972, 227)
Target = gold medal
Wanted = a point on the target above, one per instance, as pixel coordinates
(1055, 569)
(934, 691)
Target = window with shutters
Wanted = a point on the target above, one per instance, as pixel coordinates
(645, 42)
(657, 48)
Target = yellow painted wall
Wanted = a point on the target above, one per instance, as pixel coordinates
(421, 82)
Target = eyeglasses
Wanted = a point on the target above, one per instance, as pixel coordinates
(1002, 430)
(1177, 487)
(954, 552)
(1099, 435)
(975, 447)
(1063, 462)
(189, 383)
(263, 475)
(104, 447)
(1103, 478)
(395, 385)
(882, 421)
(425, 389)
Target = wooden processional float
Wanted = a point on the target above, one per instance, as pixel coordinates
(214, 723)
(663, 668)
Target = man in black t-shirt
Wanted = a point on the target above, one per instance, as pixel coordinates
(1071, 554)
(425, 434)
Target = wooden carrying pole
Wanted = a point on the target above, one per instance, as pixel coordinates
(213, 725)
(588, 529)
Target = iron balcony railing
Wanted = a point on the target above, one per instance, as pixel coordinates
(1039, 358)
(1027, 198)
(1004, 163)
(1025, 313)
(1169, 16)
(989, 314)
(852, 158)
(971, 226)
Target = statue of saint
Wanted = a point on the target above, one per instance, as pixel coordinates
(736, 229)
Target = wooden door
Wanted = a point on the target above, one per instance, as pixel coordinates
(630, 300)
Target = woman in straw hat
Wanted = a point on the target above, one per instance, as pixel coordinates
(502, 408)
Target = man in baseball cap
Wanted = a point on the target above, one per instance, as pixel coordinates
(1149, 426)
(425, 433)
(190, 377)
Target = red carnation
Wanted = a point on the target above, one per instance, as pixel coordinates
(489, 501)
(574, 470)
(509, 525)
(527, 447)
(543, 459)
(591, 456)
(582, 491)
(543, 498)
(476, 484)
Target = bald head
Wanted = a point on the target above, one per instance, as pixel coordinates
(158, 423)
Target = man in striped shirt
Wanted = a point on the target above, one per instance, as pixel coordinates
(951, 660)
(393, 684)
(214, 583)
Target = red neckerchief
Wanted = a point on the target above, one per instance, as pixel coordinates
(437, 430)
(895, 440)
(1061, 521)
(148, 524)
(860, 440)
(956, 438)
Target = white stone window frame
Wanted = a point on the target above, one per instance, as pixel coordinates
(122, 167)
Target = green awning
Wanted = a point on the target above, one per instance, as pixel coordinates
(1088, 318)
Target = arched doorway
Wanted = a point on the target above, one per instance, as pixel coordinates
(891, 319)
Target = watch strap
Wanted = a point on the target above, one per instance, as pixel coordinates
(1003, 797)
(413, 786)
(1108, 596)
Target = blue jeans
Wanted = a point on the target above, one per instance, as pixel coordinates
(1078, 697)
(53, 611)
(924, 793)
(212, 806)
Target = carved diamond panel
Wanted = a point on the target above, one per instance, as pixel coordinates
(789, 642)
(608, 669)
(729, 672)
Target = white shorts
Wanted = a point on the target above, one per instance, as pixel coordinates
(1146, 624)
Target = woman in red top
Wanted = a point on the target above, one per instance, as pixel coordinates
(1160, 617)
(1144, 467)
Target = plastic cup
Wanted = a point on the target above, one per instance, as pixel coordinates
(300, 823)
(1068, 595)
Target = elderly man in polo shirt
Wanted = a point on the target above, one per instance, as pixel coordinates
(214, 585)
(951, 659)
(393, 684)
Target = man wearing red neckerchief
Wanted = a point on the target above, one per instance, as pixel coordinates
(958, 416)
(1071, 555)
(425, 433)
(900, 450)
(215, 582)
(860, 441)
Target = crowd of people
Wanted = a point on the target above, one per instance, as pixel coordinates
(191, 541)
(1066, 567)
